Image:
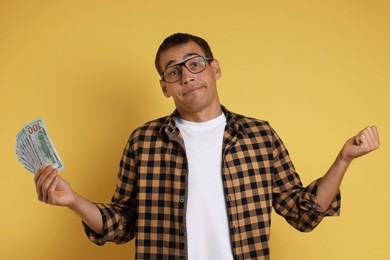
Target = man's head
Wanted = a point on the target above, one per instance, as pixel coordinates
(179, 39)
(188, 75)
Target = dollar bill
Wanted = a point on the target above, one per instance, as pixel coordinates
(34, 147)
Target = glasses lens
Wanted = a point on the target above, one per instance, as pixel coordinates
(172, 74)
(196, 64)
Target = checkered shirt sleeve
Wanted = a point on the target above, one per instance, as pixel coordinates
(119, 216)
(297, 204)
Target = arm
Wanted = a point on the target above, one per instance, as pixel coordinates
(54, 190)
(364, 142)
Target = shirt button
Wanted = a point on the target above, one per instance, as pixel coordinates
(234, 229)
(184, 171)
(181, 199)
(229, 198)
(181, 230)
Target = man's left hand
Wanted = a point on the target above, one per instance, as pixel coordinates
(364, 142)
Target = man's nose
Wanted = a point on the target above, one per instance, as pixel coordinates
(186, 75)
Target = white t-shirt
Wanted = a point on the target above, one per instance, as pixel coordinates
(207, 222)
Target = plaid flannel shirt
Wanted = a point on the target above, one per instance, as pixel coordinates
(150, 199)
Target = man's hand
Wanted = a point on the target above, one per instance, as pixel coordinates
(52, 189)
(364, 142)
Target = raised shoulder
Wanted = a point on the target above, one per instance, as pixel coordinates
(253, 126)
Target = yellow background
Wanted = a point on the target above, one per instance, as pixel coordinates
(317, 70)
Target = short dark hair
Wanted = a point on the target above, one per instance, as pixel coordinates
(178, 39)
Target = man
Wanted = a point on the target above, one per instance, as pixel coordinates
(201, 183)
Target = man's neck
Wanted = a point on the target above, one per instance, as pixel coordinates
(201, 115)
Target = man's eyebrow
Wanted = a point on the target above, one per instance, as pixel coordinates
(172, 62)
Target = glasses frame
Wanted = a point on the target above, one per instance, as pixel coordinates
(183, 64)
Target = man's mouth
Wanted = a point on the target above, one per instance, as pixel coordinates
(191, 90)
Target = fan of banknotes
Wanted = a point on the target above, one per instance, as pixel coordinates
(35, 149)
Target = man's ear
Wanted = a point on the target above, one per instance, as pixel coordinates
(217, 69)
(163, 85)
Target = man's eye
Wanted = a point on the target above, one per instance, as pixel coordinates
(174, 72)
(195, 64)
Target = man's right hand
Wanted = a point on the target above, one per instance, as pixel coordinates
(52, 189)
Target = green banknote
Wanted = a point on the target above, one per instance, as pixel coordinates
(34, 147)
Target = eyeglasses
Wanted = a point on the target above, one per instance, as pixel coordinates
(195, 65)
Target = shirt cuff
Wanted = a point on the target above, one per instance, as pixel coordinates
(92, 235)
(308, 201)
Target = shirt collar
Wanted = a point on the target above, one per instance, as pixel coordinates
(233, 123)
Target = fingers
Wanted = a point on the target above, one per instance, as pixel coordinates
(51, 190)
(368, 139)
(45, 182)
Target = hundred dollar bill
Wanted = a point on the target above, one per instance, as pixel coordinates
(34, 147)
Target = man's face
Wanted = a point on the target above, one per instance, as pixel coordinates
(193, 93)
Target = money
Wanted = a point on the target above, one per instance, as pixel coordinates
(34, 147)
